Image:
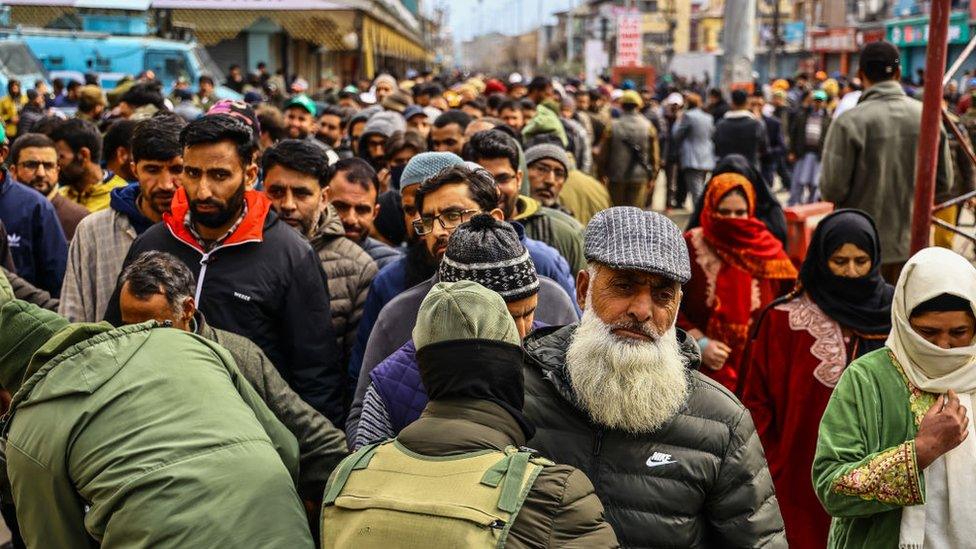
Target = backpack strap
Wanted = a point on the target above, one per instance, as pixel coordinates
(359, 460)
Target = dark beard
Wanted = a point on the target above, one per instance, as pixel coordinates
(73, 174)
(420, 265)
(224, 213)
(42, 186)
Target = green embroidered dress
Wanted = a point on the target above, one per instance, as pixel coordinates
(864, 470)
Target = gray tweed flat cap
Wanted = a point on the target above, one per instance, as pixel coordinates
(630, 238)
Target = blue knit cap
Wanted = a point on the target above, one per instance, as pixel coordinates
(426, 165)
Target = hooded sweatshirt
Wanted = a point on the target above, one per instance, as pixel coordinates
(125, 200)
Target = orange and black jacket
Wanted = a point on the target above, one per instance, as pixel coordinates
(263, 282)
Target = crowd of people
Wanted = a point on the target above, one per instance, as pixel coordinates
(442, 308)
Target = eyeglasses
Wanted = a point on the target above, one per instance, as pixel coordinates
(544, 171)
(503, 178)
(32, 165)
(448, 220)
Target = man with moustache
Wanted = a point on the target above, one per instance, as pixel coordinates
(82, 178)
(33, 232)
(256, 277)
(352, 190)
(103, 238)
(674, 457)
(444, 200)
(295, 179)
(34, 162)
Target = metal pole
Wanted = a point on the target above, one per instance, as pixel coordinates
(927, 158)
(774, 47)
(959, 60)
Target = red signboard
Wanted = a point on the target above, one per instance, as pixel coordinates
(867, 36)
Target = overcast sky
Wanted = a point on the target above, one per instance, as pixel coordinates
(471, 17)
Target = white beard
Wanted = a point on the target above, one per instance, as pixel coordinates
(635, 386)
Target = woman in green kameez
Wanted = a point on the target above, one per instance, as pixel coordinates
(896, 457)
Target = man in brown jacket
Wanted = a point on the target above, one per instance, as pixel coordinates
(295, 175)
(469, 357)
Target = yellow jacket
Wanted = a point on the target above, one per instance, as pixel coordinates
(9, 109)
(98, 197)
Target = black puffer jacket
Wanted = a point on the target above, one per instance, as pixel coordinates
(699, 481)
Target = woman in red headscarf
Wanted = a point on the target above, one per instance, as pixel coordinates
(738, 267)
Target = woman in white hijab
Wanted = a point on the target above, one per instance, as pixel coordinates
(896, 457)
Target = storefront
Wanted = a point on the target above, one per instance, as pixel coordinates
(834, 49)
(347, 39)
(912, 36)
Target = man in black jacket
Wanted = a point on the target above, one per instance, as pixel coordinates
(739, 132)
(256, 276)
(674, 457)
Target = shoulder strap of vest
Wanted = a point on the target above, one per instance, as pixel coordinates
(509, 472)
(358, 460)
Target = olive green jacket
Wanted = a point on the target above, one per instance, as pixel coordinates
(143, 436)
(320, 444)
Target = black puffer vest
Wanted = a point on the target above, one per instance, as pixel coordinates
(699, 481)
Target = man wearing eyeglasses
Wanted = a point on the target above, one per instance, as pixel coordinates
(34, 234)
(34, 162)
(498, 153)
(445, 200)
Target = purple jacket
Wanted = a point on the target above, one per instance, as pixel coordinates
(397, 381)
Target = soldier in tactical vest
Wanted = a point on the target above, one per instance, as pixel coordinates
(630, 155)
(458, 476)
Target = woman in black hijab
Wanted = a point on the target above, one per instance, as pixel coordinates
(840, 310)
(768, 209)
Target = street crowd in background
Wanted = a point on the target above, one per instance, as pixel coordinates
(441, 310)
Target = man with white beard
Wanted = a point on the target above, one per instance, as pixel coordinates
(673, 455)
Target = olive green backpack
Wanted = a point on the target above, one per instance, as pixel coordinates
(385, 496)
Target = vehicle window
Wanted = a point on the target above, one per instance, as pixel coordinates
(168, 65)
(206, 64)
(16, 59)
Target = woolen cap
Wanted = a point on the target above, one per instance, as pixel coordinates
(426, 165)
(385, 124)
(387, 79)
(625, 237)
(547, 150)
(463, 310)
(488, 251)
(397, 101)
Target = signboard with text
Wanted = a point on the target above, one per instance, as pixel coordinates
(833, 40)
(915, 31)
(630, 42)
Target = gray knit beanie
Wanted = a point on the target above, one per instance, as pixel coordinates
(625, 237)
(547, 150)
(489, 252)
(386, 78)
(385, 123)
(426, 165)
(365, 114)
